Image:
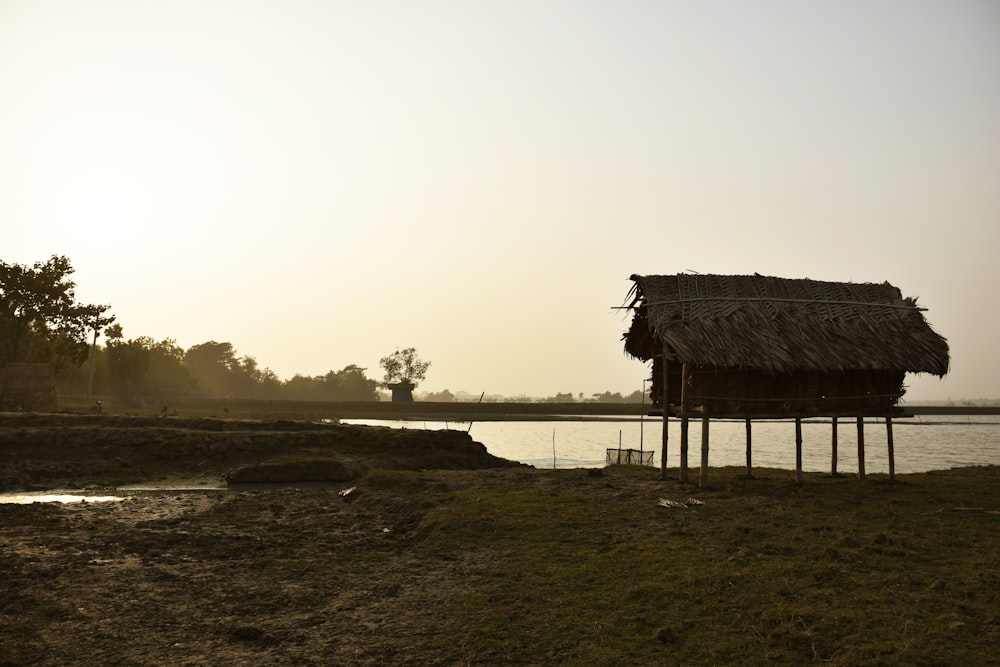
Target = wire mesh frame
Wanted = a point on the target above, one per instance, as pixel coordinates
(630, 456)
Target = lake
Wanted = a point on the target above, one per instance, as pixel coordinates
(928, 442)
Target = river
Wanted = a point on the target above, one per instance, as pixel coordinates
(920, 443)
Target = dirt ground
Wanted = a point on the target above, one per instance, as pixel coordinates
(278, 575)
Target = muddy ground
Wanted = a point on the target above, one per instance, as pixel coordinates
(278, 575)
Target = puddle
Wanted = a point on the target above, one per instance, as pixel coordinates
(54, 497)
(170, 486)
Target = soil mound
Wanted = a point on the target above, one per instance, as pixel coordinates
(46, 451)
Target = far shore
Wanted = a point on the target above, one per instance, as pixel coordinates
(422, 410)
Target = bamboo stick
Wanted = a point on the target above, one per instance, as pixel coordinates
(749, 462)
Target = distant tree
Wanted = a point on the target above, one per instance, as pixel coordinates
(404, 366)
(302, 388)
(348, 384)
(440, 397)
(211, 364)
(129, 361)
(616, 397)
(167, 375)
(351, 384)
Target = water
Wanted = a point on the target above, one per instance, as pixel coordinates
(920, 443)
(53, 497)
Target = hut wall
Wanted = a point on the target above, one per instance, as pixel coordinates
(735, 392)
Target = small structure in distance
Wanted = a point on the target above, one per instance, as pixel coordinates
(403, 371)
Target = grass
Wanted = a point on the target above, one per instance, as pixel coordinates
(833, 570)
(569, 567)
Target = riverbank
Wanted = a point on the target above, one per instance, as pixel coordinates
(66, 451)
(496, 566)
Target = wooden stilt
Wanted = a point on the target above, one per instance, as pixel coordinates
(833, 447)
(892, 454)
(683, 477)
(798, 450)
(665, 399)
(684, 450)
(861, 447)
(749, 457)
(703, 476)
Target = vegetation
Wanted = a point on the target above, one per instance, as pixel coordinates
(522, 567)
(594, 571)
(40, 319)
(42, 322)
(404, 367)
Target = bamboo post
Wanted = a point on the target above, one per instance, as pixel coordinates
(749, 462)
(642, 418)
(833, 447)
(892, 454)
(684, 450)
(861, 447)
(665, 399)
(798, 450)
(703, 475)
(684, 424)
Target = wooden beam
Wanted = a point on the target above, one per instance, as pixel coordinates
(665, 399)
(703, 475)
(798, 450)
(833, 447)
(749, 457)
(684, 450)
(892, 454)
(861, 447)
(683, 477)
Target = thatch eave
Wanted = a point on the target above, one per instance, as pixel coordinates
(781, 326)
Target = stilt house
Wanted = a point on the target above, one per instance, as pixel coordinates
(759, 347)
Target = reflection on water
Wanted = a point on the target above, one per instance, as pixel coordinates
(920, 444)
(53, 497)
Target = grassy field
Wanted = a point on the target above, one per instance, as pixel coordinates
(516, 566)
(588, 570)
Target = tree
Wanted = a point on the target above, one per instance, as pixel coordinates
(440, 397)
(95, 319)
(404, 367)
(350, 384)
(129, 364)
(211, 363)
(40, 319)
(220, 373)
(167, 376)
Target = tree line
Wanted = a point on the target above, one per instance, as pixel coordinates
(41, 321)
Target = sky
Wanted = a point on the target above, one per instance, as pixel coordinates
(321, 183)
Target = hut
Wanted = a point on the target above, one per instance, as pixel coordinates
(760, 347)
(402, 392)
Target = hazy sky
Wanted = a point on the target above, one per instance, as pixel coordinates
(319, 183)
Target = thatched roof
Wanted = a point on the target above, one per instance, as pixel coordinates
(781, 325)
